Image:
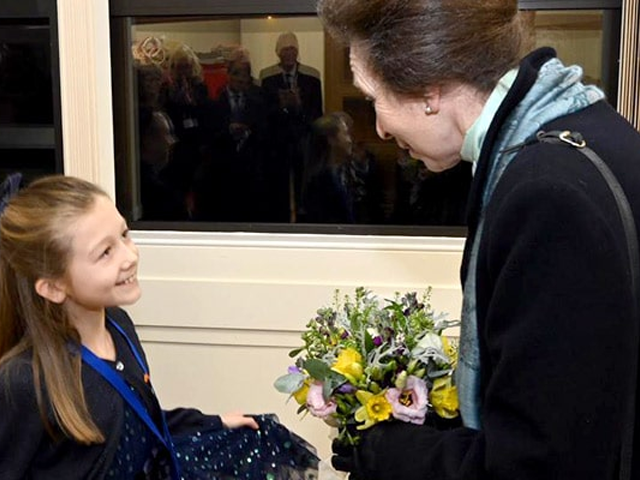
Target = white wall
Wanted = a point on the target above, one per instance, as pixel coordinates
(220, 312)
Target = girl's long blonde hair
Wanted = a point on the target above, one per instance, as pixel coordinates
(35, 243)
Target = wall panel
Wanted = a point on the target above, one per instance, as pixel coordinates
(220, 313)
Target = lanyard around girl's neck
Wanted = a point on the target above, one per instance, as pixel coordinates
(116, 381)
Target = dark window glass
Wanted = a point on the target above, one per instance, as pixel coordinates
(221, 134)
(29, 134)
(31, 162)
(213, 134)
(25, 74)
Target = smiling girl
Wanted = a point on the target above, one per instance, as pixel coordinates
(75, 390)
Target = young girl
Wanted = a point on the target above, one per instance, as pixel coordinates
(75, 391)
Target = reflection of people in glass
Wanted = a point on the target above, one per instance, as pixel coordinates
(230, 185)
(187, 104)
(365, 178)
(186, 92)
(241, 104)
(161, 199)
(292, 86)
(294, 99)
(327, 192)
(216, 73)
(431, 198)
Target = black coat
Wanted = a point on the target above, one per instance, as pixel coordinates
(555, 327)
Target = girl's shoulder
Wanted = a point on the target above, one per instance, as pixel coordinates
(121, 317)
(16, 378)
(123, 320)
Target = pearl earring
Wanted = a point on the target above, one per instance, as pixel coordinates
(428, 110)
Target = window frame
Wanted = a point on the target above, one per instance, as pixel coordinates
(569, 4)
(120, 12)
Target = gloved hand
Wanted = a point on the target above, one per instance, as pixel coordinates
(346, 458)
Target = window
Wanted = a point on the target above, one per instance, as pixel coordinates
(212, 135)
(583, 32)
(30, 140)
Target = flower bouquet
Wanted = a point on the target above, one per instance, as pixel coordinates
(366, 361)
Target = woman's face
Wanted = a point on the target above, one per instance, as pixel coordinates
(430, 138)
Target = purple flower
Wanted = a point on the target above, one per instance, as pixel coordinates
(410, 403)
(377, 341)
(347, 388)
(294, 369)
(316, 403)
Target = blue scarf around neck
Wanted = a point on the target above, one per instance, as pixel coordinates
(557, 92)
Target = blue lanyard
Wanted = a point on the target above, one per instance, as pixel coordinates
(130, 397)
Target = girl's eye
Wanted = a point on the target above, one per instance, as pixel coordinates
(125, 233)
(370, 99)
(106, 253)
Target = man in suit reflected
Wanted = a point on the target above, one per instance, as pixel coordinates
(293, 96)
(230, 187)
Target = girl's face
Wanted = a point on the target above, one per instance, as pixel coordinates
(103, 266)
(342, 139)
(430, 138)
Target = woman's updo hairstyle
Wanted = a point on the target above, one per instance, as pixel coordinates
(415, 44)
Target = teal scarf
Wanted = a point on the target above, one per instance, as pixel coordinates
(557, 91)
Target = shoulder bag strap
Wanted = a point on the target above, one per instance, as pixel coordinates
(575, 140)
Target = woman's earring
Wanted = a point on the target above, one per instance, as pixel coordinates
(428, 110)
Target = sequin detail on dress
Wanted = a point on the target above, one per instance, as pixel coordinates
(135, 448)
(271, 453)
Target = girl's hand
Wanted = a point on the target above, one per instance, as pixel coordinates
(238, 420)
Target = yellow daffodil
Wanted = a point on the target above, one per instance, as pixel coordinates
(450, 349)
(375, 408)
(349, 364)
(301, 395)
(444, 397)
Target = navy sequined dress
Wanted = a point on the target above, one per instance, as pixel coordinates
(204, 452)
(270, 453)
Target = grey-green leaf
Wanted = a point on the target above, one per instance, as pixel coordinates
(289, 383)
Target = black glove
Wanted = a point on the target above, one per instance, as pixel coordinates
(345, 458)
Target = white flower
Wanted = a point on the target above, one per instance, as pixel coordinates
(373, 332)
(430, 341)
(430, 346)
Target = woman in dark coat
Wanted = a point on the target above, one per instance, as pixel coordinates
(549, 338)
